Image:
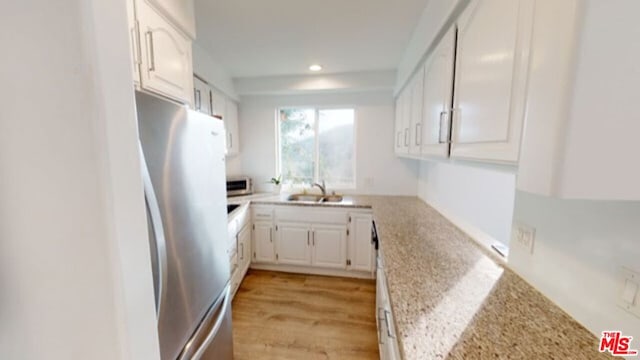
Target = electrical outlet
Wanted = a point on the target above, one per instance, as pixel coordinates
(525, 237)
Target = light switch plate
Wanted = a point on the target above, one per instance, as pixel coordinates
(628, 296)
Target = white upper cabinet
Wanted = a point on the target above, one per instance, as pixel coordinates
(201, 96)
(582, 122)
(492, 59)
(231, 125)
(134, 41)
(437, 98)
(180, 12)
(166, 65)
(218, 104)
(403, 121)
(415, 121)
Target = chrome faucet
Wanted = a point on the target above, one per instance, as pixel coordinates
(322, 187)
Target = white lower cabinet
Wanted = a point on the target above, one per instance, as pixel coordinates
(387, 340)
(308, 244)
(329, 246)
(244, 248)
(263, 248)
(313, 240)
(293, 244)
(361, 249)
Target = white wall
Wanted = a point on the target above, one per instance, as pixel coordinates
(477, 199)
(374, 154)
(579, 247)
(209, 69)
(75, 275)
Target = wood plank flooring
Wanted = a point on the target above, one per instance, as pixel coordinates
(290, 316)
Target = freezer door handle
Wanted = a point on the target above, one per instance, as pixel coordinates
(157, 229)
(188, 353)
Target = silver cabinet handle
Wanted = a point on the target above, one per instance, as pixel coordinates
(270, 234)
(241, 251)
(386, 320)
(157, 229)
(313, 238)
(444, 127)
(135, 43)
(150, 53)
(406, 137)
(308, 236)
(418, 133)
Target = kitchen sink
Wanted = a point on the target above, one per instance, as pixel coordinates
(332, 198)
(314, 198)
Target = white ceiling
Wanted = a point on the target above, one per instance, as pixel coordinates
(283, 37)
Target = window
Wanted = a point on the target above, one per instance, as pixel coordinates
(316, 145)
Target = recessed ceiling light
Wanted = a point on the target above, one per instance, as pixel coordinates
(315, 67)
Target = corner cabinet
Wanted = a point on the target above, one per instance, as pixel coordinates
(491, 74)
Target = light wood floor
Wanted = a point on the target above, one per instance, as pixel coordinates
(289, 316)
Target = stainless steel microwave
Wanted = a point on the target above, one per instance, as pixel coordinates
(239, 185)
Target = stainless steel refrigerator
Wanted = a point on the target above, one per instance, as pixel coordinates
(182, 155)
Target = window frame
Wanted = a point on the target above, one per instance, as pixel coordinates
(316, 167)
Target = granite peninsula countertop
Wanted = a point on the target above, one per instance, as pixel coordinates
(452, 299)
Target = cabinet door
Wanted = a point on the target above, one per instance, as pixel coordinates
(399, 130)
(134, 41)
(329, 246)
(437, 98)
(231, 124)
(201, 96)
(219, 104)
(406, 118)
(244, 248)
(166, 66)
(360, 248)
(492, 60)
(293, 244)
(415, 128)
(263, 247)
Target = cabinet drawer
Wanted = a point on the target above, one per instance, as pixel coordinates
(262, 214)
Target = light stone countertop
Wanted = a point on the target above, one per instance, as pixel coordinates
(451, 299)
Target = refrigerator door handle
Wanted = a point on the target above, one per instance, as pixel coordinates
(158, 230)
(212, 333)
